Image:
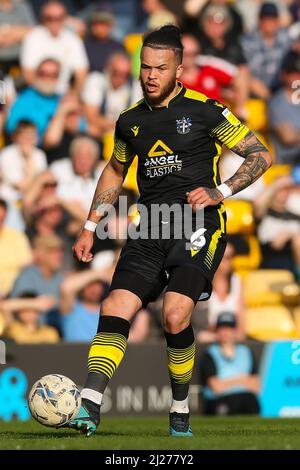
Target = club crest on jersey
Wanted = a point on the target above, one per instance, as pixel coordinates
(183, 125)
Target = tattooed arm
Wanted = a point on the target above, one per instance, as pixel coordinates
(107, 191)
(257, 161)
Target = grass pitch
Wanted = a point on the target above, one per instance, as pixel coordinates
(245, 433)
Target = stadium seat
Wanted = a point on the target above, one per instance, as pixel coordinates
(251, 260)
(132, 42)
(267, 287)
(240, 218)
(270, 323)
(257, 114)
(275, 171)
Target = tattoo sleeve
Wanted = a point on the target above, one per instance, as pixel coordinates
(102, 201)
(257, 161)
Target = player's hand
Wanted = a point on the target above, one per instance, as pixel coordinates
(203, 197)
(83, 245)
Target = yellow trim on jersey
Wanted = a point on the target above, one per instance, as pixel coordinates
(229, 134)
(215, 162)
(121, 151)
(195, 95)
(215, 239)
(133, 106)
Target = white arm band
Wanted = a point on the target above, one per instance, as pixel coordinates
(225, 190)
(91, 226)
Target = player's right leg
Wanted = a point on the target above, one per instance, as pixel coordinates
(106, 353)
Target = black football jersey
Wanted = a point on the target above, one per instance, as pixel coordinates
(178, 146)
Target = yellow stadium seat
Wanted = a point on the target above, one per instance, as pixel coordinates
(240, 218)
(270, 323)
(132, 42)
(257, 114)
(251, 260)
(275, 171)
(269, 287)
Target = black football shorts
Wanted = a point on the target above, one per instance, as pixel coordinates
(147, 266)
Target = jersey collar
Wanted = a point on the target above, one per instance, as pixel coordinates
(171, 102)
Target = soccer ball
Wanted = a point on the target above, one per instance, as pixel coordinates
(54, 400)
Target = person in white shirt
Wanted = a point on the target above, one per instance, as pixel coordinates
(53, 39)
(20, 162)
(106, 95)
(78, 175)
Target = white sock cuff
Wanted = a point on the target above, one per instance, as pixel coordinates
(92, 395)
(181, 406)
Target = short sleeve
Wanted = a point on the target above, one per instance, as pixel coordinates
(223, 125)
(207, 368)
(122, 150)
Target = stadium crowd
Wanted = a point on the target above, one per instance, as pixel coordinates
(67, 70)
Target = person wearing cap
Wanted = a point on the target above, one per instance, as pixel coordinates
(229, 373)
(284, 113)
(44, 276)
(264, 50)
(99, 44)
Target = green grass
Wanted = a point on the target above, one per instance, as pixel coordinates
(152, 433)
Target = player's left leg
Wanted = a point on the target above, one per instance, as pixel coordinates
(185, 287)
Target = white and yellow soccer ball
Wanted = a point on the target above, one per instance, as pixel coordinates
(54, 400)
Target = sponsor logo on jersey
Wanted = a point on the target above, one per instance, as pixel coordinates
(183, 125)
(162, 160)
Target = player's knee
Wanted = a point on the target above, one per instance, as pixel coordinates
(175, 320)
(119, 306)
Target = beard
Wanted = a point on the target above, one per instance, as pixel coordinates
(45, 87)
(165, 92)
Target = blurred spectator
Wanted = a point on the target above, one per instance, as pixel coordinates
(227, 295)
(16, 19)
(106, 95)
(158, 14)
(211, 76)
(15, 252)
(44, 276)
(236, 23)
(37, 103)
(52, 39)
(67, 123)
(249, 10)
(284, 113)
(77, 176)
(23, 319)
(21, 162)
(228, 373)
(264, 50)
(81, 294)
(99, 44)
(279, 226)
(214, 41)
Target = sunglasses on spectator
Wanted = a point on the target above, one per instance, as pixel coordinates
(53, 19)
